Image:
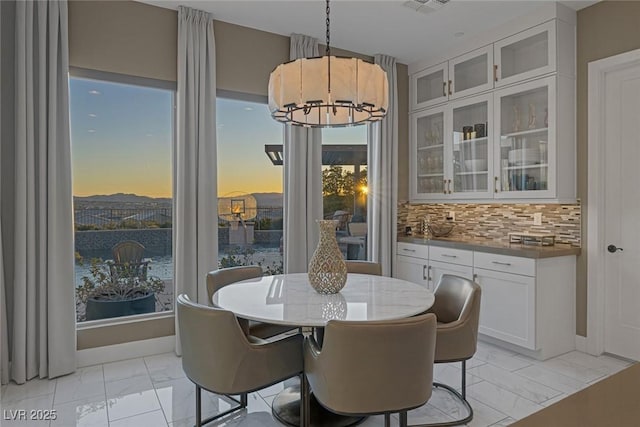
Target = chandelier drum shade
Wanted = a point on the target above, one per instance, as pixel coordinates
(328, 91)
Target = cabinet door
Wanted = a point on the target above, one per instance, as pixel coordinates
(470, 148)
(525, 152)
(526, 55)
(471, 73)
(437, 269)
(429, 87)
(507, 307)
(412, 270)
(427, 154)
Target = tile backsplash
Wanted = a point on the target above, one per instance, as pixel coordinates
(495, 221)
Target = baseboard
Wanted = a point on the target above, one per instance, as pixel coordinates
(130, 350)
(581, 343)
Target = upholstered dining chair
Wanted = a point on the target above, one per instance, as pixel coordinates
(457, 308)
(367, 368)
(364, 267)
(218, 357)
(217, 279)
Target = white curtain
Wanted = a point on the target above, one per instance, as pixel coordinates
(382, 176)
(195, 231)
(302, 180)
(39, 288)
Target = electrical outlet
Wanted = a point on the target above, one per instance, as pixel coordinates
(537, 218)
(452, 215)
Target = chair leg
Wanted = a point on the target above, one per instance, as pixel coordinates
(464, 379)
(387, 420)
(244, 400)
(403, 419)
(461, 398)
(305, 398)
(198, 406)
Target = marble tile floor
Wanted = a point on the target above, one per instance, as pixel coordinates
(502, 387)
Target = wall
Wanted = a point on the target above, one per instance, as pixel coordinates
(604, 29)
(133, 38)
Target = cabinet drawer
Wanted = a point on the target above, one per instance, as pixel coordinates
(453, 256)
(413, 250)
(505, 263)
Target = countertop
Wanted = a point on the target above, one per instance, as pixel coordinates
(513, 249)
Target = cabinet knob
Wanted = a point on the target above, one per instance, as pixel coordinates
(444, 186)
(450, 90)
(495, 184)
(444, 88)
(495, 73)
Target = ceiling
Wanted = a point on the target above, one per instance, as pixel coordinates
(372, 26)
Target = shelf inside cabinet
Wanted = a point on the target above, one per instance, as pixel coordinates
(536, 166)
(429, 175)
(524, 133)
(469, 141)
(430, 147)
(472, 173)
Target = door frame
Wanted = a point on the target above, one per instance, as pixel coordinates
(595, 208)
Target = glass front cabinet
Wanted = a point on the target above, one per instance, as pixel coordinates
(453, 153)
(525, 146)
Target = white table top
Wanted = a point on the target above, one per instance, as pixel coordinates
(289, 299)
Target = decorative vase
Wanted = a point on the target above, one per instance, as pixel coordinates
(327, 269)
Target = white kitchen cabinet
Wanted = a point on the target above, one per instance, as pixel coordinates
(507, 307)
(525, 55)
(452, 152)
(437, 269)
(526, 150)
(429, 87)
(535, 140)
(471, 73)
(527, 304)
(412, 263)
(465, 75)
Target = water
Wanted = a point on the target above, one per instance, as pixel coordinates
(161, 264)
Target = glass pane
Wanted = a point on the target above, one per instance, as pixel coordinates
(525, 55)
(249, 186)
(121, 138)
(430, 86)
(430, 155)
(470, 148)
(470, 73)
(344, 187)
(523, 141)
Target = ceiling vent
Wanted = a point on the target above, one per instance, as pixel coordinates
(425, 6)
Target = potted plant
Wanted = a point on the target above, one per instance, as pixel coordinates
(117, 290)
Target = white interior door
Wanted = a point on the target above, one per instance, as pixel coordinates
(622, 212)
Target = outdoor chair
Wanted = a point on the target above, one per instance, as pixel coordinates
(128, 260)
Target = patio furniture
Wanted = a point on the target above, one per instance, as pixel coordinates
(128, 260)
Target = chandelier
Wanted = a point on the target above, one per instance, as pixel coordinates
(328, 91)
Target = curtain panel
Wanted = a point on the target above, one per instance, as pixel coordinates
(195, 231)
(302, 180)
(39, 286)
(382, 176)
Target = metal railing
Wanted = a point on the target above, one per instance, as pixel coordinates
(267, 218)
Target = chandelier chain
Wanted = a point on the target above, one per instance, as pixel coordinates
(328, 24)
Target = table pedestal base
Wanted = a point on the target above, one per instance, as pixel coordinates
(286, 409)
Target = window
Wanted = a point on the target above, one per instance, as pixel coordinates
(249, 186)
(121, 139)
(344, 186)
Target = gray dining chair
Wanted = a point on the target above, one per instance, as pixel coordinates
(364, 267)
(367, 368)
(457, 308)
(217, 279)
(218, 357)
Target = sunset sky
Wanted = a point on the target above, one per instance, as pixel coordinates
(121, 141)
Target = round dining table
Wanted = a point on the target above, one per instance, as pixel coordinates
(289, 299)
